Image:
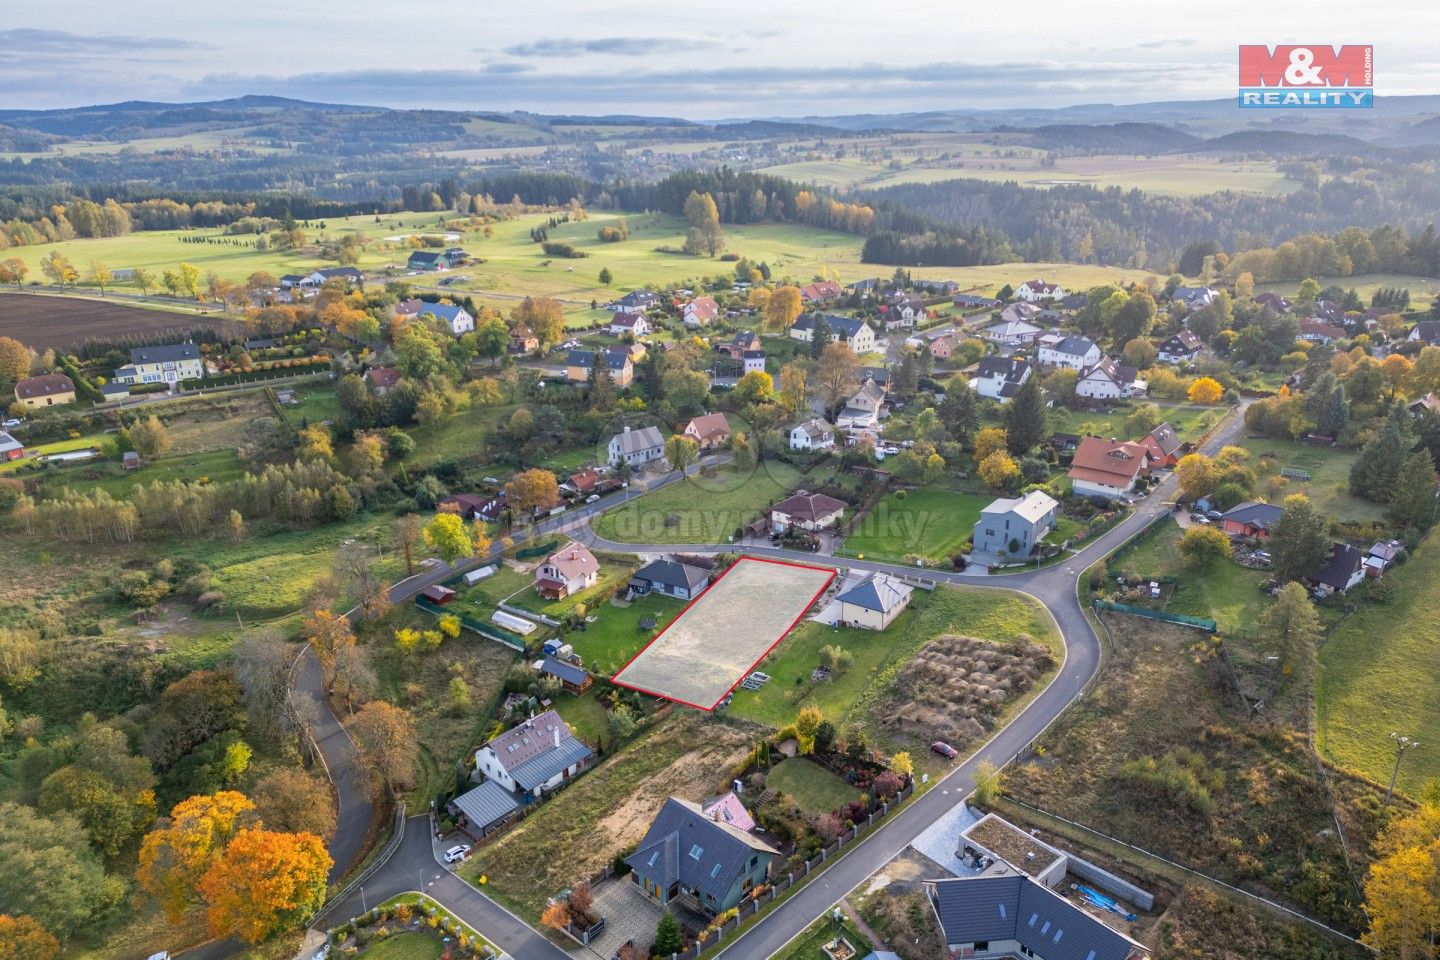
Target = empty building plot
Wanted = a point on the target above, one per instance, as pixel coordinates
(724, 633)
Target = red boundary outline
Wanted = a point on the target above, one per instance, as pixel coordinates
(783, 634)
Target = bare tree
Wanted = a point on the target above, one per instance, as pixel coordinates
(302, 718)
(262, 668)
(355, 681)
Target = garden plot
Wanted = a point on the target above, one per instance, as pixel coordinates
(723, 634)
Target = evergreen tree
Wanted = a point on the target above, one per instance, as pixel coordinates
(1412, 500)
(1300, 539)
(601, 390)
(1026, 419)
(906, 375)
(957, 411)
(667, 936)
(820, 337)
(1335, 416)
(1373, 474)
(1292, 625)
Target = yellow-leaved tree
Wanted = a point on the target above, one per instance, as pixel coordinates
(175, 855)
(263, 883)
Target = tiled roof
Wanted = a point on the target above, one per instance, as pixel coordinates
(1016, 907)
(165, 353)
(634, 441)
(879, 592)
(703, 854)
(529, 739)
(572, 561)
(710, 426)
(1120, 461)
(809, 506)
(45, 385)
(1262, 515)
(672, 573)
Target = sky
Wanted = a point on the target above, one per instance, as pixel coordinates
(701, 61)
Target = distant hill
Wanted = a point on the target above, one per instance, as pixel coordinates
(1284, 143)
(1131, 138)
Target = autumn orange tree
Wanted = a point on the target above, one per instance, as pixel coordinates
(782, 307)
(175, 855)
(22, 938)
(263, 883)
(533, 489)
(1206, 390)
(327, 633)
(386, 738)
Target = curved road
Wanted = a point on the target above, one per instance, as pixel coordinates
(414, 863)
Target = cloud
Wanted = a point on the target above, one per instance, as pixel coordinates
(614, 46)
(32, 43)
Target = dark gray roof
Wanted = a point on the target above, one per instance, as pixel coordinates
(165, 353)
(1166, 438)
(672, 573)
(537, 770)
(703, 854)
(426, 256)
(329, 273)
(845, 327)
(486, 804)
(975, 909)
(1075, 345)
(1262, 515)
(567, 672)
(1336, 572)
(879, 592)
(1427, 331)
(586, 358)
(1011, 369)
(634, 441)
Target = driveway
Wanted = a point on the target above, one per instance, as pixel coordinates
(628, 913)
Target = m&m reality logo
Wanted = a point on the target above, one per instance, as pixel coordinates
(1307, 76)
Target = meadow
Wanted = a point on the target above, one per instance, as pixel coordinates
(699, 509)
(1329, 483)
(929, 523)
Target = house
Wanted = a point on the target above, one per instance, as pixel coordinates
(456, 317)
(866, 288)
(291, 281)
(1012, 332)
(46, 390)
(482, 810)
(1015, 526)
(426, 260)
(10, 448)
(1382, 556)
(633, 324)
(573, 679)
(1428, 403)
(851, 331)
(1343, 569)
(169, 363)
(523, 340)
(382, 379)
(740, 344)
(1033, 291)
(707, 864)
(466, 506)
(567, 571)
(753, 361)
(709, 431)
(943, 347)
(582, 483)
(1273, 301)
(1426, 332)
(699, 311)
(318, 278)
(820, 291)
(1063, 442)
(863, 408)
(1318, 331)
(1108, 380)
(727, 808)
(1073, 352)
(874, 602)
(670, 578)
(1182, 347)
(1074, 301)
(1162, 445)
(637, 301)
(114, 392)
(968, 301)
(635, 351)
(812, 435)
(902, 311)
(1107, 468)
(1250, 519)
(533, 757)
(806, 511)
(1006, 913)
(1193, 298)
(636, 447)
(578, 364)
(999, 377)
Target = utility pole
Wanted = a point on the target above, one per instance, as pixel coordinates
(1402, 743)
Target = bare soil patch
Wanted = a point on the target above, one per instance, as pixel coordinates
(43, 321)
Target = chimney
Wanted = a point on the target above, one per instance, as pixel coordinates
(556, 731)
(627, 429)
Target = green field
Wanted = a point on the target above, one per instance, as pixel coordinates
(813, 788)
(1379, 673)
(1189, 421)
(703, 509)
(1422, 289)
(1329, 483)
(933, 524)
(615, 637)
(1224, 592)
(405, 946)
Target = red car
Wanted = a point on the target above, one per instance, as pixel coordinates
(944, 749)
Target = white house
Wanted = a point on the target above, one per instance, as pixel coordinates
(903, 312)
(534, 757)
(169, 363)
(1108, 380)
(1107, 468)
(634, 324)
(806, 511)
(851, 331)
(699, 311)
(1073, 352)
(862, 410)
(1193, 298)
(457, 318)
(1015, 525)
(567, 571)
(1341, 570)
(636, 447)
(874, 602)
(812, 435)
(1033, 291)
(999, 377)
(752, 361)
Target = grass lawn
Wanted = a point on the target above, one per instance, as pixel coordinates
(316, 404)
(613, 573)
(405, 946)
(481, 600)
(1379, 672)
(705, 509)
(1224, 592)
(810, 944)
(585, 714)
(929, 523)
(99, 440)
(1329, 483)
(215, 466)
(615, 637)
(815, 789)
(1189, 421)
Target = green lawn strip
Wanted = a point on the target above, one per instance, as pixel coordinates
(930, 523)
(215, 466)
(317, 403)
(809, 945)
(482, 599)
(1189, 421)
(615, 637)
(707, 510)
(585, 714)
(1329, 483)
(426, 901)
(404, 946)
(810, 785)
(613, 573)
(1379, 671)
(97, 440)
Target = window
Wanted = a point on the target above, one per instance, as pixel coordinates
(695, 851)
(1002, 910)
(982, 945)
(715, 871)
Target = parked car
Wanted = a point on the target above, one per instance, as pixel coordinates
(592, 498)
(1200, 518)
(1262, 555)
(457, 853)
(1215, 515)
(892, 451)
(944, 749)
